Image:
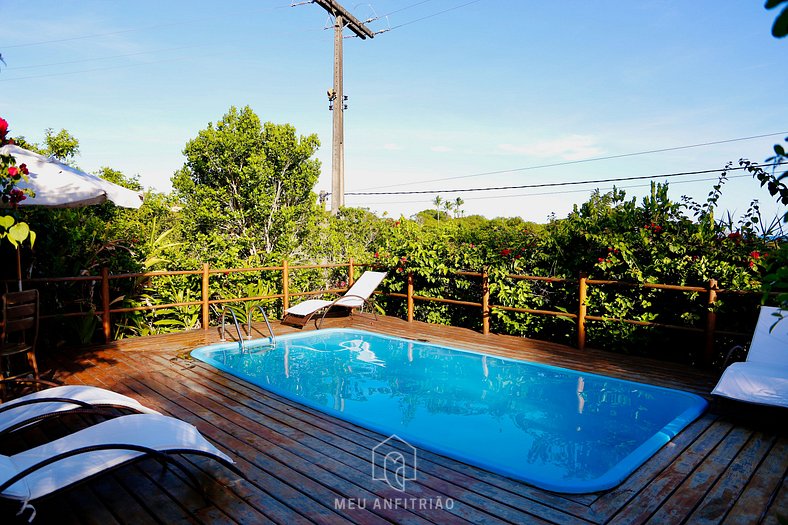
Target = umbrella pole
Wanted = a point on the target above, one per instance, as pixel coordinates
(19, 267)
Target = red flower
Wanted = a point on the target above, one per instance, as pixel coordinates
(601, 259)
(505, 252)
(403, 259)
(23, 169)
(3, 128)
(16, 196)
(755, 255)
(377, 255)
(12, 171)
(734, 235)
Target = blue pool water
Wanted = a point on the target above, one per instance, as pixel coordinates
(555, 428)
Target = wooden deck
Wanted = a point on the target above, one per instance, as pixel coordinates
(302, 465)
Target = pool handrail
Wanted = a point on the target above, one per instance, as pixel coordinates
(265, 318)
(223, 332)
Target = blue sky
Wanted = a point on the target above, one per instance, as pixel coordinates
(488, 86)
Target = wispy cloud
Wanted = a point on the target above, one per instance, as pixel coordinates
(440, 149)
(573, 147)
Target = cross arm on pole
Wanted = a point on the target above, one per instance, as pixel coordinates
(353, 23)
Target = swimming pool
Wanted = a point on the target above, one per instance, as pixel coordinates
(555, 428)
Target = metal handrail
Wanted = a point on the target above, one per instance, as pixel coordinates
(223, 332)
(265, 318)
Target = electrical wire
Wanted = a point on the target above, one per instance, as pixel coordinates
(562, 192)
(572, 162)
(548, 184)
(432, 15)
(373, 19)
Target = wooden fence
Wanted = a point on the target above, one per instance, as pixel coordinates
(710, 291)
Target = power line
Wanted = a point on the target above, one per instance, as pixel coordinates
(432, 15)
(548, 184)
(375, 18)
(572, 162)
(562, 192)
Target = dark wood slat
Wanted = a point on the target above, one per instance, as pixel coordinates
(718, 501)
(692, 490)
(757, 499)
(640, 508)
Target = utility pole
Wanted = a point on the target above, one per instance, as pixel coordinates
(336, 96)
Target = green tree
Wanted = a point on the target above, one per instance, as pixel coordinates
(247, 187)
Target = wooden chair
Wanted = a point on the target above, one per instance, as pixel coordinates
(20, 331)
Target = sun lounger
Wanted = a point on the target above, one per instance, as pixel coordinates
(763, 377)
(42, 470)
(357, 296)
(29, 409)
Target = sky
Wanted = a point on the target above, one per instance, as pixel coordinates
(450, 94)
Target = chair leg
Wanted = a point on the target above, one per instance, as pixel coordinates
(31, 359)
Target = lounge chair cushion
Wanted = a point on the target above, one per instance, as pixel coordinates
(153, 431)
(761, 383)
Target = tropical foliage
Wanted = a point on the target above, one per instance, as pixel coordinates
(244, 199)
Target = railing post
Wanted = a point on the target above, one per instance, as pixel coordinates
(410, 297)
(485, 302)
(350, 272)
(711, 322)
(285, 286)
(581, 311)
(206, 294)
(105, 320)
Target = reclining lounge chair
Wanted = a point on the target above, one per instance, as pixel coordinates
(357, 296)
(763, 377)
(59, 400)
(40, 471)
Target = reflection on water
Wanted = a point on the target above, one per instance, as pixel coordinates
(552, 423)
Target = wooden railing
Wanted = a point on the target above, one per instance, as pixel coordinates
(581, 317)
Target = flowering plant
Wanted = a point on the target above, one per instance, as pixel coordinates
(10, 196)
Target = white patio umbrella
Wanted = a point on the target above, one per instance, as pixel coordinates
(57, 185)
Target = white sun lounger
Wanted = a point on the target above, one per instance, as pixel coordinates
(26, 410)
(40, 471)
(763, 377)
(355, 297)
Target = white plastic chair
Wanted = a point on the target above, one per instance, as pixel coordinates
(763, 377)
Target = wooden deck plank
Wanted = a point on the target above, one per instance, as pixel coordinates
(759, 496)
(264, 440)
(261, 469)
(694, 488)
(612, 501)
(298, 459)
(718, 501)
(640, 508)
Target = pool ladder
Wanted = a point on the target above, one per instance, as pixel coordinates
(241, 338)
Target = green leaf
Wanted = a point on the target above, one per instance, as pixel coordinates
(778, 149)
(780, 27)
(771, 4)
(6, 221)
(18, 233)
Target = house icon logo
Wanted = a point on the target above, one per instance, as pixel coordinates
(394, 461)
